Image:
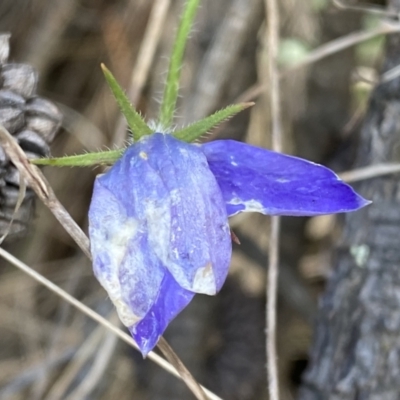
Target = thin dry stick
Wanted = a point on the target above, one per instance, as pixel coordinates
(148, 48)
(221, 59)
(323, 51)
(145, 57)
(30, 374)
(57, 335)
(86, 350)
(369, 172)
(272, 284)
(97, 369)
(39, 184)
(342, 43)
(368, 8)
(36, 325)
(37, 181)
(174, 360)
(95, 316)
(393, 73)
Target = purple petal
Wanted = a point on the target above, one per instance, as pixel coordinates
(191, 233)
(123, 260)
(171, 300)
(255, 179)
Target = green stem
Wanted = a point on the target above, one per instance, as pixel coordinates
(172, 85)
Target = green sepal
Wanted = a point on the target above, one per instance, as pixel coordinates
(171, 88)
(135, 121)
(82, 160)
(199, 128)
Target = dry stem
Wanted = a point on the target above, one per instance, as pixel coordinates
(272, 284)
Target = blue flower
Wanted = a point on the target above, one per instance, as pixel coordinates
(158, 220)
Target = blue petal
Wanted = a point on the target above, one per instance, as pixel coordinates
(171, 300)
(121, 251)
(255, 179)
(191, 235)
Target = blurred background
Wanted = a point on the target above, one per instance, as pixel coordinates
(48, 350)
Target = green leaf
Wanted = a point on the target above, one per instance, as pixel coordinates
(135, 121)
(82, 160)
(199, 128)
(172, 85)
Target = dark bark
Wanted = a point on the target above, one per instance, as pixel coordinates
(356, 350)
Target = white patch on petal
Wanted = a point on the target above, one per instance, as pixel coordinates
(204, 280)
(283, 180)
(119, 240)
(249, 205)
(143, 155)
(176, 253)
(158, 217)
(116, 244)
(235, 164)
(127, 317)
(175, 197)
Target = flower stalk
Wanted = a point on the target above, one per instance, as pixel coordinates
(171, 89)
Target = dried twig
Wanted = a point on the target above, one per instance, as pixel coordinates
(220, 59)
(342, 43)
(81, 357)
(323, 51)
(369, 172)
(93, 315)
(184, 372)
(39, 184)
(31, 374)
(148, 48)
(98, 367)
(393, 73)
(272, 284)
(369, 8)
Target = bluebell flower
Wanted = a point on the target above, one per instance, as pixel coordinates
(158, 220)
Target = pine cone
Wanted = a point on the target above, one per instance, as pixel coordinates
(33, 121)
